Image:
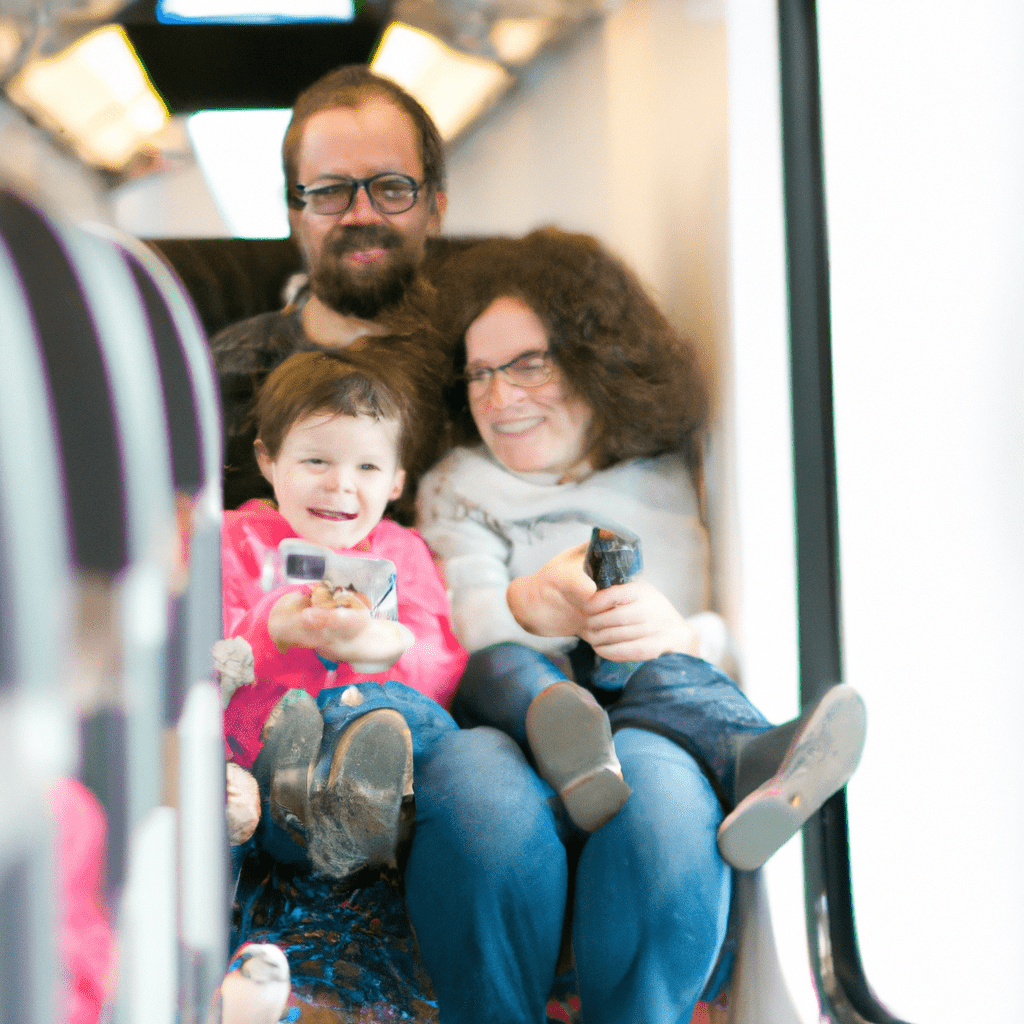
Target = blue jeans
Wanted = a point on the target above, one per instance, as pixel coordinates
(488, 876)
(681, 697)
(487, 884)
(427, 720)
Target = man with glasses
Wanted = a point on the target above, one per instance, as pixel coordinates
(365, 177)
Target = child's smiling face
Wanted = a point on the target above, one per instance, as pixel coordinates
(334, 476)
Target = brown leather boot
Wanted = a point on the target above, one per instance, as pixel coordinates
(356, 794)
(291, 742)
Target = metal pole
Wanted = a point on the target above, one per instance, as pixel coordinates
(842, 986)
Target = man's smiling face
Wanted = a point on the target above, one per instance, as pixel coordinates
(360, 261)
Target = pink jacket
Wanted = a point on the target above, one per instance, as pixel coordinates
(433, 664)
(87, 938)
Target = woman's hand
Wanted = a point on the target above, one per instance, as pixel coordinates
(552, 601)
(636, 622)
(630, 622)
(347, 635)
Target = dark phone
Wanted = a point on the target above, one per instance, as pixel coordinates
(611, 558)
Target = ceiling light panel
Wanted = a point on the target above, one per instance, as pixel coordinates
(517, 40)
(454, 87)
(258, 12)
(96, 94)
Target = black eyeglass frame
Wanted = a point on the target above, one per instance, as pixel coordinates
(305, 194)
(484, 375)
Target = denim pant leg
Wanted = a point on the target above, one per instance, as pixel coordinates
(697, 706)
(486, 880)
(652, 893)
(427, 720)
(498, 685)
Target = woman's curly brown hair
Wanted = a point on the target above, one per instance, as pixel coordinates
(614, 347)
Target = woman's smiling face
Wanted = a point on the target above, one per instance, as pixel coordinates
(541, 429)
(334, 476)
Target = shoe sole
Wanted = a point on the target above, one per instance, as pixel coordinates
(292, 733)
(821, 761)
(357, 813)
(571, 742)
(291, 740)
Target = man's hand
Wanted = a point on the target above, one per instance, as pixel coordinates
(347, 635)
(552, 601)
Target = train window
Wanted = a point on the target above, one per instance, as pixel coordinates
(239, 153)
(924, 155)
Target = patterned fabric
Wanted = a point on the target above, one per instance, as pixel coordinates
(351, 951)
(352, 954)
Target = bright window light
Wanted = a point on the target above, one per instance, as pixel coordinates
(96, 94)
(239, 153)
(253, 11)
(455, 88)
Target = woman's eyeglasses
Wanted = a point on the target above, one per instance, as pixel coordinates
(529, 370)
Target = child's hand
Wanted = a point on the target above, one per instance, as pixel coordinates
(243, 804)
(341, 634)
(553, 600)
(300, 619)
(636, 622)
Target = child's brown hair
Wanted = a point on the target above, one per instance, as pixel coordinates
(342, 382)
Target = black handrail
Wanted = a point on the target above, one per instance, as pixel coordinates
(842, 986)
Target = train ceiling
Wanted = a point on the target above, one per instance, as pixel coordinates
(225, 66)
(195, 67)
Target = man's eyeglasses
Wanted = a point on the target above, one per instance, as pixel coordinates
(526, 371)
(388, 194)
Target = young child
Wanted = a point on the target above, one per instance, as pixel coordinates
(333, 773)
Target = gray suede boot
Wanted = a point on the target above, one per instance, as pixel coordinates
(785, 774)
(571, 742)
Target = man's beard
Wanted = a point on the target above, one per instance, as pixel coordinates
(362, 293)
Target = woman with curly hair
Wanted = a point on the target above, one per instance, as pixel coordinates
(579, 407)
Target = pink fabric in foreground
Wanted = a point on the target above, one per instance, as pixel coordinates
(86, 939)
